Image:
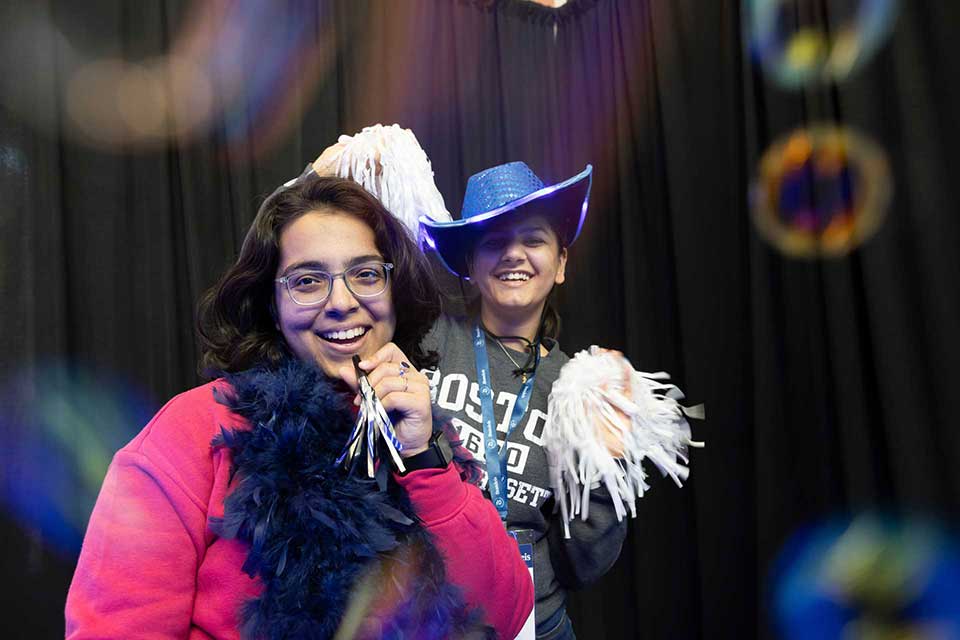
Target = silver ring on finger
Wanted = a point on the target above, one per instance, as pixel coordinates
(406, 383)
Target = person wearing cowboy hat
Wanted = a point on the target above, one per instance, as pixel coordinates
(499, 374)
(498, 364)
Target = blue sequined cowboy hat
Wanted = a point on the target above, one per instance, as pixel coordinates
(508, 191)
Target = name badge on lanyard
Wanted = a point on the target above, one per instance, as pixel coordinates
(495, 457)
(524, 538)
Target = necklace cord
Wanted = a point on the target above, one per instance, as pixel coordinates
(532, 347)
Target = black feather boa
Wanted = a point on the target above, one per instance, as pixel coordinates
(315, 533)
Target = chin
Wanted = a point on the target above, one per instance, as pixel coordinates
(514, 305)
(331, 363)
(521, 298)
(330, 367)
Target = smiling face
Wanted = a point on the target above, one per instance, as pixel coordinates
(330, 333)
(516, 265)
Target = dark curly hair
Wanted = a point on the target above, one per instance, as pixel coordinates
(236, 318)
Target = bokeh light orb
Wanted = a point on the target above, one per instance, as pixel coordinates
(870, 576)
(209, 81)
(91, 102)
(13, 160)
(143, 101)
(821, 192)
(801, 42)
(62, 425)
(395, 597)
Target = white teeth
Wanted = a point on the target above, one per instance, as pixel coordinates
(346, 334)
(514, 275)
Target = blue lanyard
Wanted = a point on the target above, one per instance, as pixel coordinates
(496, 460)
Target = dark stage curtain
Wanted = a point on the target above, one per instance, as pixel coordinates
(828, 384)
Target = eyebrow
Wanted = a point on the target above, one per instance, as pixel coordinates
(532, 227)
(319, 265)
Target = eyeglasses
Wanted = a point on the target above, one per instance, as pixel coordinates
(308, 288)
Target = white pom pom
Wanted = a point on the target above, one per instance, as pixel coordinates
(390, 164)
(591, 385)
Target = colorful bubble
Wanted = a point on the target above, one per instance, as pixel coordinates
(801, 42)
(395, 597)
(13, 161)
(821, 192)
(63, 426)
(872, 576)
(242, 69)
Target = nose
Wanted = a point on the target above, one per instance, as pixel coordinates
(513, 252)
(341, 302)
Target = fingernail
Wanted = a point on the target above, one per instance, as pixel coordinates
(356, 400)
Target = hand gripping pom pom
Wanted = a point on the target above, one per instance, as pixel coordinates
(593, 385)
(390, 164)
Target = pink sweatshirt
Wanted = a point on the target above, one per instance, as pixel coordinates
(151, 568)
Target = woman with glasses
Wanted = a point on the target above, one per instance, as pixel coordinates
(229, 516)
(497, 364)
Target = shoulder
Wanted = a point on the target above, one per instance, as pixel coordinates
(551, 364)
(191, 417)
(446, 328)
(560, 355)
(177, 439)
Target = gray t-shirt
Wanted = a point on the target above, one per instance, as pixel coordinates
(558, 563)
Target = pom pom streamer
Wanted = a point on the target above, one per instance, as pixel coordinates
(372, 421)
(591, 386)
(390, 164)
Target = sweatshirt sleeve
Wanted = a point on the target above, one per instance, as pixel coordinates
(594, 544)
(136, 576)
(480, 556)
